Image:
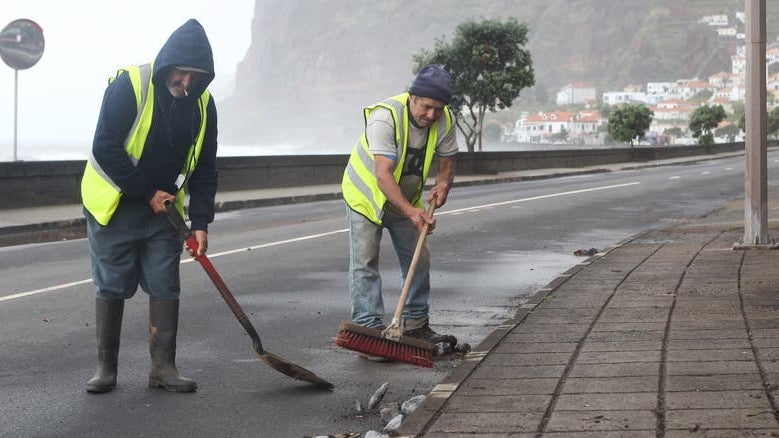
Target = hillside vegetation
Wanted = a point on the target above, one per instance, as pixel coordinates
(314, 64)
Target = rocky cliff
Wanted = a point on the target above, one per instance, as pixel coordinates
(313, 64)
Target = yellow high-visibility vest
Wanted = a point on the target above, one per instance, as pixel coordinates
(359, 184)
(99, 193)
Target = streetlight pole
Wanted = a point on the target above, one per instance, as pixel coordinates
(16, 106)
(756, 171)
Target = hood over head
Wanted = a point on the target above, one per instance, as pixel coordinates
(187, 48)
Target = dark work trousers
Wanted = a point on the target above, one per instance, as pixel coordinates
(137, 247)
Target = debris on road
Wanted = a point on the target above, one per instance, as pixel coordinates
(586, 252)
(377, 396)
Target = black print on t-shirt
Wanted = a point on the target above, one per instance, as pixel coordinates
(415, 159)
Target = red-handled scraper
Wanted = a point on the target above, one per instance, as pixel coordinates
(275, 362)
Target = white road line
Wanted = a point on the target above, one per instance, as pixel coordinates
(329, 233)
(674, 177)
(46, 289)
(535, 198)
(705, 172)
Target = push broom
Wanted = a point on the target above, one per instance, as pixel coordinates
(391, 342)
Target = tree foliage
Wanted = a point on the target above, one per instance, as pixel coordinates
(629, 122)
(704, 120)
(489, 66)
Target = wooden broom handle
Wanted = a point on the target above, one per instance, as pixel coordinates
(412, 269)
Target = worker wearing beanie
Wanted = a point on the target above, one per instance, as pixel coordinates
(382, 186)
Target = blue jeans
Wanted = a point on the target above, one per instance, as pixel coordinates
(364, 277)
(137, 247)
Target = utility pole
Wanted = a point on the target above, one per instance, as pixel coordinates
(756, 169)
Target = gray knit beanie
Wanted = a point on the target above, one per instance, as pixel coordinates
(433, 82)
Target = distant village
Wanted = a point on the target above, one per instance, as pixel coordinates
(671, 102)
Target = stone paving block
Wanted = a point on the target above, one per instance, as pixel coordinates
(620, 326)
(720, 433)
(487, 423)
(695, 344)
(629, 369)
(542, 326)
(709, 324)
(498, 403)
(524, 372)
(700, 355)
(590, 346)
(626, 336)
(561, 318)
(716, 399)
(770, 366)
(713, 382)
(626, 301)
(637, 314)
(537, 347)
(498, 358)
(765, 333)
(493, 386)
(766, 353)
(553, 312)
(645, 401)
(707, 334)
(524, 336)
(594, 385)
(737, 419)
(580, 421)
(478, 435)
(708, 290)
(603, 434)
(561, 302)
(763, 323)
(713, 367)
(611, 357)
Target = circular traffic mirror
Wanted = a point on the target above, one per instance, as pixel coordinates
(21, 44)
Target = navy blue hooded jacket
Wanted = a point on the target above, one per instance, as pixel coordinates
(174, 127)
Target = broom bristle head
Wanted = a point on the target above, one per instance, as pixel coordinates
(371, 342)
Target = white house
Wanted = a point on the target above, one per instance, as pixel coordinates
(573, 94)
(619, 97)
(714, 20)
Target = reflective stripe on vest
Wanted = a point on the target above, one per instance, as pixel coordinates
(99, 193)
(359, 185)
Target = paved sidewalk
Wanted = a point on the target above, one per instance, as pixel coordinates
(670, 333)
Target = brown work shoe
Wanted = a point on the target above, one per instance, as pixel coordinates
(427, 334)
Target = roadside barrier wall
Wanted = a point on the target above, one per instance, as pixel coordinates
(41, 183)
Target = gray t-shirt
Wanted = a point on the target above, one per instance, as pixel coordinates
(380, 132)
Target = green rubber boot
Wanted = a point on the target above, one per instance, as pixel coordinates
(163, 326)
(108, 323)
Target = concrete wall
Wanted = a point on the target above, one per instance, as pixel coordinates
(39, 183)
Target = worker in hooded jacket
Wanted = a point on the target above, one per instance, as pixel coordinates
(156, 137)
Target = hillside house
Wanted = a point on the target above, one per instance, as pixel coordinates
(577, 93)
(542, 127)
(613, 98)
(673, 109)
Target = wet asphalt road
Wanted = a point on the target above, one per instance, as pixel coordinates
(494, 245)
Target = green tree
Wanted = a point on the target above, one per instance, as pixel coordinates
(489, 67)
(772, 122)
(704, 120)
(702, 96)
(675, 131)
(730, 131)
(629, 122)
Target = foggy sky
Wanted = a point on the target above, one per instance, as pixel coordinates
(86, 42)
